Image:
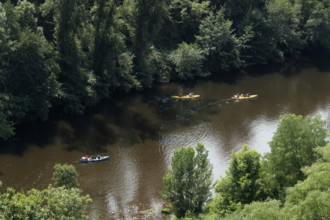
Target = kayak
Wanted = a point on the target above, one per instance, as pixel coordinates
(242, 97)
(185, 96)
(94, 159)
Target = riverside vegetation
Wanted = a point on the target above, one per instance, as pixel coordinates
(68, 55)
(290, 182)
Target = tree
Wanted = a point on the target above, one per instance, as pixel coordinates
(261, 46)
(182, 22)
(71, 21)
(149, 16)
(112, 62)
(240, 186)
(11, 24)
(28, 68)
(315, 21)
(62, 202)
(27, 14)
(283, 19)
(236, 10)
(187, 60)
(6, 126)
(157, 66)
(219, 43)
(310, 198)
(65, 175)
(187, 184)
(292, 148)
(50, 203)
(269, 210)
(31, 76)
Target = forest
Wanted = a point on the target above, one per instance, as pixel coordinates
(69, 55)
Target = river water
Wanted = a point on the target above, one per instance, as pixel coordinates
(140, 132)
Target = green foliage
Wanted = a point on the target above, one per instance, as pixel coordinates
(236, 10)
(67, 203)
(219, 43)
(4, 46)
(70, 18)
(149, 17)
(18, 205)
(28, 70)
(240, 186)
(313, 193)
(308, 199)
(31, 70)
(65, 175)
(26, 12)
(51, 203)
(261, 45)
(283, 19)
(12, 24)
(112, 63)
(6, 126)
(292, 148)
(94, 48)
(187, 60)
(124, 77)
(315, 20)
(269, 210)
(182, 22)
(187, 184)
(63, 202)
(157, 67)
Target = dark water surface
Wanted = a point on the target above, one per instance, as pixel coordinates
(140, 132)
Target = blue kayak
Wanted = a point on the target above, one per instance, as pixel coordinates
(94, 159)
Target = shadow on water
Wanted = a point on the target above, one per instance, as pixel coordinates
(116, 121)
(293, 66)
(320, 59)
(40, 136)
(175, 113)
(110, 122)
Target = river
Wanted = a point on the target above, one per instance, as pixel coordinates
(141, 130)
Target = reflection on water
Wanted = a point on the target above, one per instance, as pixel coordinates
(262, 130)
(141, 132)
(201, 133)
(129, 185)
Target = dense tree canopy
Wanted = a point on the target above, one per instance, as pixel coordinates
(187, 185)
(301, 158)
(51, 203)
(308, 199)
(63, 202)
(292, 148)
(65, 175)
(88, 49)
(240, 185)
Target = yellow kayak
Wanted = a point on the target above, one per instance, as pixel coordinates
(242, 97)
(185, 96)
